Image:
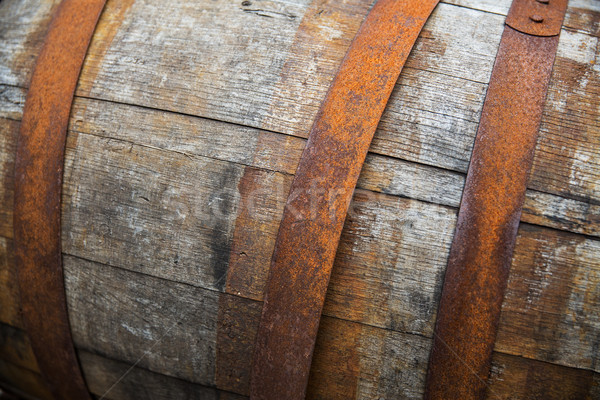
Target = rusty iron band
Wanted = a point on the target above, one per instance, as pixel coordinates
(490, 210)
(320, 195)
(38, 180)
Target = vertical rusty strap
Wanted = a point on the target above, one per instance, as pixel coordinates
(38, 180)
(320, 196)
(490, 209)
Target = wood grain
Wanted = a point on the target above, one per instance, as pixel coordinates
(371, 363)
(24, 380)
(9, 289)
(166, 327)
(9, 131)
(115, 380)
(389, 266)
(153, 196)
(567, 158)
(15, 348)
(23, 27)
(516, 378)
(550, 307)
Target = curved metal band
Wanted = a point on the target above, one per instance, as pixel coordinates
(490, 210)
(38, 181)
(320, 196)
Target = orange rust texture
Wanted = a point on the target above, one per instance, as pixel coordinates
(536, 17)
(488, 219)
(321, 193)
(522, 378)
(38, 178)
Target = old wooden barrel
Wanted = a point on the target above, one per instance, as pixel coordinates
(187, 126)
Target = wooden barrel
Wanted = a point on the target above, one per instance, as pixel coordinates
(185, 133)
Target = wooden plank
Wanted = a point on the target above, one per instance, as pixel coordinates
(24, 380)
(390, 264)
(15, 348)
(9, 131)
(567, 158)
(583, 16)
(12, 101)
(493, 6)
(550, 307)
(23, 27)
(163, 326)
(117, 212)
(559, 213)
(235, 51)
(9, 289)
(116, 380)
(357, 361)
(236, 333)
(515, 378)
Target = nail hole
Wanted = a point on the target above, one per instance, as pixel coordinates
(246, 3)
(543, 1)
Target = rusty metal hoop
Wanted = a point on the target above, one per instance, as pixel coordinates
(490, 209)
(38, 180)
(320, 196)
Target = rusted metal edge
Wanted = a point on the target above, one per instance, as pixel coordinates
(488, 219)
(537, 17)
(38, 181)
(320, 196)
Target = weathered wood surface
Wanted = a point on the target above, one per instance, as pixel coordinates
(550, 309)
(167, 197)
(9, 294)
(24, 380)
(15, 348)
(138, 383)
(521, 378)
(23, 27)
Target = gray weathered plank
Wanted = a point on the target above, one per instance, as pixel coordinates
(550, 310)
(116, 380)
(163, 326)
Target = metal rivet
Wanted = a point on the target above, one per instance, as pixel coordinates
(537, 18)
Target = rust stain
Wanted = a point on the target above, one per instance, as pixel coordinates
(255, 230)
(9, 288)
(320, 196)
(336, 366)
(108, 26)
(236, 333)
(24, 57)
(9, 131)
(322, 38)
(480, 257)
(38, 179)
